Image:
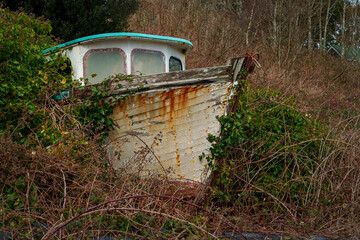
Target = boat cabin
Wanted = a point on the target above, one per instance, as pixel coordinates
(99, 56)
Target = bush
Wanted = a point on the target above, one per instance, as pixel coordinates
(27, 78)
(268, 150)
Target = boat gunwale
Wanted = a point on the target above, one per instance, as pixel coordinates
(177, 79)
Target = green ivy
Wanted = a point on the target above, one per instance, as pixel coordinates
(267, 147)
(96, 110)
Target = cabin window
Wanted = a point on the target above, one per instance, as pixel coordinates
(102, 63)
(145, 62)
(174, 64)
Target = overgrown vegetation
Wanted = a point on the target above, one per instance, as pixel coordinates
(68, 191)
(56, 179)
(276, 161)
(288, 159)
(273, 145)
(28, 79)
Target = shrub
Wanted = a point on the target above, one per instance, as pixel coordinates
(268, 150)
(27, 78)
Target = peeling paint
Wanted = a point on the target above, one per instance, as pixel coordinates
(174, 123)
(163, 129)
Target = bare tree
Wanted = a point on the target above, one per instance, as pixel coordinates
(327, 19)
(250, 23)
(309, 23)
(320, 24)
(354, 23)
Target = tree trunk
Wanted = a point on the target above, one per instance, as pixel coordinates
(309, 23)
(355, 21)
(343, 30)
(249, 25)
(275, 25)
(320, 25)
(309, 42)
(327, 19)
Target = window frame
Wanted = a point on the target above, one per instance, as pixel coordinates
(135, 50)
(103, 50)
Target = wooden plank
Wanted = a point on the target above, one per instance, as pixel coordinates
(174, 123)
(198, 76)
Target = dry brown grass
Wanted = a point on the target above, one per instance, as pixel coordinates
(318, 80)
(329, 205)
(324, 86)
(70, 192)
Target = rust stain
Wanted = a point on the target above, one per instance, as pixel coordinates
(120, 107)
(184, 97)
(167, 105)
(171, 96)
(178, 160)
(178, 99)
(174, 122)
(172, 113)
(228, 90)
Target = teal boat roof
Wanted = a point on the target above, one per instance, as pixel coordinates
(187, 44)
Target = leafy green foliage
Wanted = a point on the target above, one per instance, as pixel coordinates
(27, 78)
(268, 149)
(96, 109)
(74, 19)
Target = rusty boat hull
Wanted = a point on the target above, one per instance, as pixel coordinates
(165, 131)
(162, 129)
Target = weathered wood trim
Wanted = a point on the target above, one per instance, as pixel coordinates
(200, 76)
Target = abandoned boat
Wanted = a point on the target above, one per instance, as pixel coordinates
(163, 128)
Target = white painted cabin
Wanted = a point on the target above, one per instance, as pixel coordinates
(126, 53)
